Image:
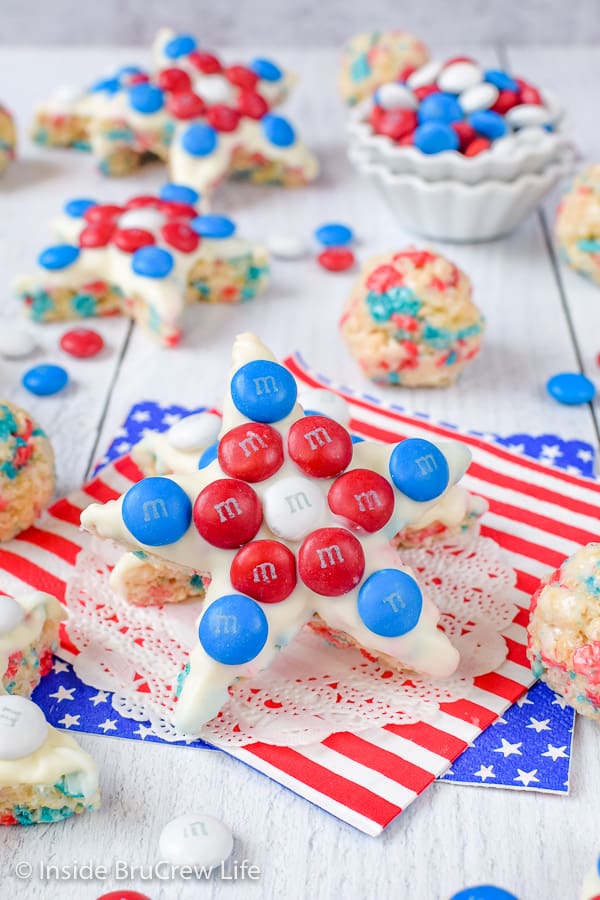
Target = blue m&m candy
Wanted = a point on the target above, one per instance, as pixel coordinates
(78, 206)
(157, 511)
(146, 98)
(571, 388)
(484, 892)
(264, 391)
(266, 69)
(200, 139)
(333, 234)
(440, 108)
(58, 257)
(501, 80)
(419, 469)
(180, 46)
(107, 85)
(233, 629)
(152, 262)
(390, 602)
(278, 130)
(45, 380)
(488, 123)
(178, 193)
(124, 71)
(209, 455)
(213, 226)
(435, 137)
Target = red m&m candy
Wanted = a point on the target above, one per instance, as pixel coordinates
(223, 118)
(175, 209)
(131, 239)
(205, 62)
(396, 123)
(144, 201)
(103, 214)
(265, 571)
(174, 80)
(466, 133)
(253, 452)
(242, 77)
(427, 89)
(180, 236)
(363, 497)
(319, 446)
(227, 513)
(82, 342)
(477, 146)
(331, 561)
(252, 105)
(124, 895)
(505, 101)
(528, 93)
(94, 236)
(186, 105)
(336, 259)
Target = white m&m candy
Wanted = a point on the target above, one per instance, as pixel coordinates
(15, 341)
(195, 432)
(212, 88)
(11, 615)
(480, 96)
(285, 246)
(293, 507)
(196, 840)
(23, 728)
(528, 114)
(395, 96)
(425, 75)
(459, 76)
(148, 219)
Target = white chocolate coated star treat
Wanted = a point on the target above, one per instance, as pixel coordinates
(8, 138)
(28, 638)
(45, 776)
(204, 118)
(291, 519)
(372, 59)
(146, 258)
(564, 631)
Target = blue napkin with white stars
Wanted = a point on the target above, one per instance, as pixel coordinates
(529, 748)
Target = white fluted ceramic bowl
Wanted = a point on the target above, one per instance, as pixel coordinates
(449, 210)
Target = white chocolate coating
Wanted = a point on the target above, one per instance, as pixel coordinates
(37, 609)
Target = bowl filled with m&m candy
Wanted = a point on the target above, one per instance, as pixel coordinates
(458, 135)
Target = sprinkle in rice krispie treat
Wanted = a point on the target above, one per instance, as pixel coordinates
(577, 229)
(8, 138)
(26, 470)
(411, 320)
(28, 637)
(45, 776)
(564, 631)
(370, 60)
(146, 258)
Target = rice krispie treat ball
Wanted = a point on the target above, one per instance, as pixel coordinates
(411, 321)
(29, 635)
(564, 631)
(8, 138)
(577, 227)
(370, 60)
(26, 470)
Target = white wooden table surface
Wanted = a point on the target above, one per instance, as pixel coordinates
(541, 320)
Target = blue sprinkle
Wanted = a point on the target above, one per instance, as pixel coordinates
(146, 98)
(152, 262)
(589, 246)
(157, 511)
(209, 455)
(200, 139)
(278, 130)
(419, 469)
(500, 79)
(571, 388)
(178, 193)
(180, 46)
(266, 69)
(58, 257)
(45, 380)
(233, 629)
(213, 226)
(333, 234)
(77, 207)
(435, 137)
(390, 602)
(440, 108)
(263, 391)
(488, 123)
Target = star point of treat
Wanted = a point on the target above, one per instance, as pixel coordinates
(291, 519)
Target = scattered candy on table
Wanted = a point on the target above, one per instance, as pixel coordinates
(45, 379)
(196, 840)
(124, 895)
(336, 259)
(82, 342)
(15, 341)
(334, 234)
(284, 246)
(571, 388)
(577, 227)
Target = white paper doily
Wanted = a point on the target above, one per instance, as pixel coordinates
(313, 688)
